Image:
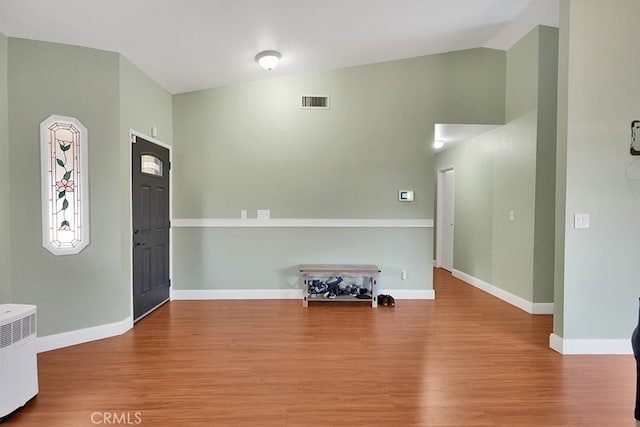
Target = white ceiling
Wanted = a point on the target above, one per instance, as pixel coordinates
(188, 45)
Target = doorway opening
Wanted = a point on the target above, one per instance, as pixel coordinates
(445, 223)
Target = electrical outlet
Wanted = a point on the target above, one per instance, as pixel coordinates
(403, 274)
(243, 214)
(263, 214)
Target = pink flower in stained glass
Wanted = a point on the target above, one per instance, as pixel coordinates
(65, 185)
(65, 227)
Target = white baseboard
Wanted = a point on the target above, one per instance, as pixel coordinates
(542, 308)
(521, 303)
(409, 293)
(80, 336)
(205, 294)
(589, 346)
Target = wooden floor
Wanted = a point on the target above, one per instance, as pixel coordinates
(464, 359)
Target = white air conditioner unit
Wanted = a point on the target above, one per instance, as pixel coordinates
(18, 358)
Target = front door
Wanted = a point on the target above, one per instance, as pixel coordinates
(150, 207)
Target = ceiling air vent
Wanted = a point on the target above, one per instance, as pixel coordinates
(315, 102)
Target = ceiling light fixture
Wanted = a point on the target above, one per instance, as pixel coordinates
(268, 59)
(438, 144)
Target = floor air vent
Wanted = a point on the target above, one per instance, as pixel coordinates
(315, 102)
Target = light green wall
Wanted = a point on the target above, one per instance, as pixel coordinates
(601, 86)
(75, 291)
(505, 170)
(265, 258)
(513, 172)
(143, 104)
(514, 189)
(251, 147)
(544, 227)
(522, 76)
(5, 190)
(561, 169)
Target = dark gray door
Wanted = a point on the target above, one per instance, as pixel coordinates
(150, 205)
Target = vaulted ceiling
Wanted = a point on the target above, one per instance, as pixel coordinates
(188, 45)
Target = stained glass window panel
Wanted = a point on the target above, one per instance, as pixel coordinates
(64, 185)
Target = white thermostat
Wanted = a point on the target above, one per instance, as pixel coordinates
(405, 195)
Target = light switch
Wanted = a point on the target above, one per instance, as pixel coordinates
(581, 220)
(512, 215)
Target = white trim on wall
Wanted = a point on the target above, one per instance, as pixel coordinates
(302, 222)
(211, 294)
(148, 138)
(589, 346)
(80, 336)
(521, 303)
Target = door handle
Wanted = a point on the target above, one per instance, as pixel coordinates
(139, 244)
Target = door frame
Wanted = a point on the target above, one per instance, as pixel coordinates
(133, 134)
(439, 210)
